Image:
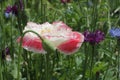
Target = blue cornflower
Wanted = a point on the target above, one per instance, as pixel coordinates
(115, 32)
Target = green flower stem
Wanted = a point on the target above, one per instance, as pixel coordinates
(94, 15)
(11, 39)
(36, 70)
(46, 67)
(65, 6)
(29, 66)
(85, 62)
(57, 58)
(18, 66)
(26, 62)
(41, 11)
(49, 67)
(44, 12)
(92, 62)
(108, 15)
(69, 67)
(42, 67)
(20, 49)
(37, 67)
(1, 69)
(118, 59)
(19, 21)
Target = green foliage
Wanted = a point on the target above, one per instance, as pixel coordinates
(80, 15)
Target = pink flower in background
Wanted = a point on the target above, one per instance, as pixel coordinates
(58, 34)
(65, 1)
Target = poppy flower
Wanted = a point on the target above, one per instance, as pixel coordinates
(58, 34)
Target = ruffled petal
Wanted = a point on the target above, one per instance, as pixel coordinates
(73, 44)
(61, 26)
(33, 44)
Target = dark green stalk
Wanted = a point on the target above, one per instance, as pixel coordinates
(85, 62)
(26, 63)
(92, 62)
(36, 70)
(118, 59)
(1, 77)
(108, 15)
(29, 66)
(47, 60)
(57, 58)
(41, 67)
(5, 70)
(19, 23)
(37, 61)
(18, 66)
(70, 67)
(28, 74)
(20, 49)
(41, 13)
(95, 15)
(65, 6)
(48, 65)
(11, 40)
(44, 12)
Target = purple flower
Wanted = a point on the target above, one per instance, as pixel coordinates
(13, 9)
(115, 32)
(8, 9)
(93, 37)
(86, 33)
(5, 52)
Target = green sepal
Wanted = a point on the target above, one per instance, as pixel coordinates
(47, 46)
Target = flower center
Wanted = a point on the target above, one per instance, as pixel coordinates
(45, 30)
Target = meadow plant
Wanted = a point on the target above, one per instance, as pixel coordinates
(34, 33)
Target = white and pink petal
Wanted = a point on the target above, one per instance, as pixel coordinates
(33, 44)
(58, 34)
(61, 26)
(73, 44)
